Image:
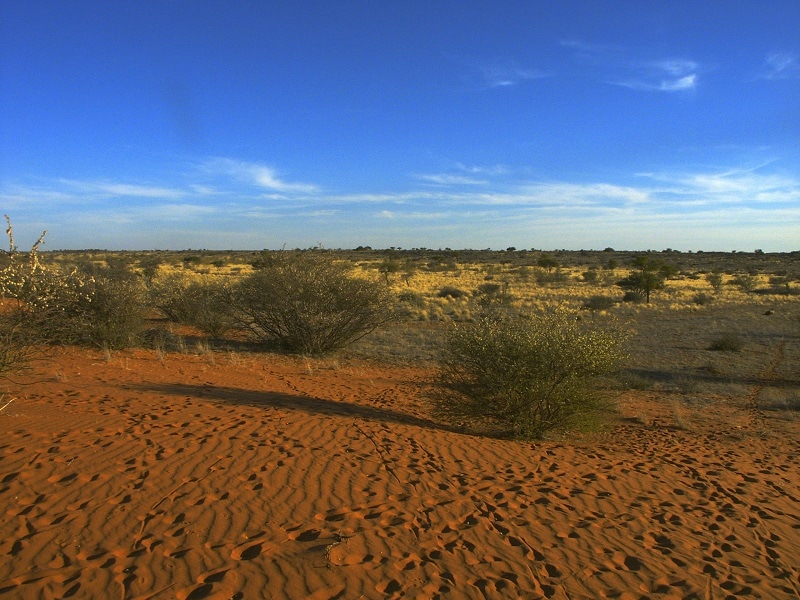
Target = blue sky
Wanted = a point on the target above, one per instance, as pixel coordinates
(642, 124)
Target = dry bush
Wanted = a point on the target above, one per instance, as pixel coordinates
(598, 302)
(110, 313)
(715, 280)
(201, 303)
(524, 376)
(727, 342)
(307, 303)
(449, 291)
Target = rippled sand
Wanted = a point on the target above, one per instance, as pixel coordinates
(270, 477)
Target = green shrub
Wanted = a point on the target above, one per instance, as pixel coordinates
(307, 303)
(489, 289)
(649, 276)
(168, 294)
(48, 305)
(493, 297)
(524, 376)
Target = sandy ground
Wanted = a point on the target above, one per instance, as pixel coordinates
(271, 477)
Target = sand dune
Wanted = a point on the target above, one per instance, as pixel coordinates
(251, 477)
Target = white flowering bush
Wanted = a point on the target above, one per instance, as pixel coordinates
(42, 304)
(33, 301)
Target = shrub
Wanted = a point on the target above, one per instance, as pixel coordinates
(634, 297)
(37, 301)
(106, 309)
(524, 376)
(493, 298)
(715, 281)
(168, 294)
(547, 262)
(599, 303)
(746, 282)
(488, 289)
(702, 299)
(201, 303)
(113, 315)
(411, 298)
(590, 276)
(544, 277)
(306, 303)
(449, 291)
(727, 342)
(21, 279)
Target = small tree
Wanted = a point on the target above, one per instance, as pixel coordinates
(524, 376)
(547, 262)
(309, 304)
(650, 276)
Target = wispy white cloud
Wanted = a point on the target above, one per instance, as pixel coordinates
(646, 206)
(122, 189)
(669, 75)
(256, 174)
(450, 179)
(483, 170)
(203, 190)
(504, 74)
(731, 187)
(678, 84)
(618, 66)
(415, 215)
(781, 65)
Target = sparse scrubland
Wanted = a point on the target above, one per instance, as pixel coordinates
(406, 306)
(335, 424)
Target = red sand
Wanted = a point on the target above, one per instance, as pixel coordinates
(270, 477)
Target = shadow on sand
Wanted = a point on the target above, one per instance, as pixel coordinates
(308, 404)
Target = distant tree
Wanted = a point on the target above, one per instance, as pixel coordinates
(650, 275)
(547, 262)
(389, 267)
